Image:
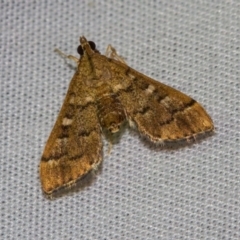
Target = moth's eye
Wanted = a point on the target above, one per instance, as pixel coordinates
(80, 50)
(92, 45)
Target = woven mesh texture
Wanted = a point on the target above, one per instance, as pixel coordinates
(141, 192)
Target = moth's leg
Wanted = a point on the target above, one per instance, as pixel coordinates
(110, 144)
(63, 55)
(112, 53)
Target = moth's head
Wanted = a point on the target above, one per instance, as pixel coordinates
(86, 46)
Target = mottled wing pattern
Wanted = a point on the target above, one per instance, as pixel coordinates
(158, 111)
(104, 90)
(74, 146)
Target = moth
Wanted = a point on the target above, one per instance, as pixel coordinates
(103, 94)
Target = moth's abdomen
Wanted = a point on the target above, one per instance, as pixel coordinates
(110, 112)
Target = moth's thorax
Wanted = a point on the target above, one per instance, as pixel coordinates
(94, 66)
(110, 111)
(111, 114)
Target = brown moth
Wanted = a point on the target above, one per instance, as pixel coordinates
(105, 92)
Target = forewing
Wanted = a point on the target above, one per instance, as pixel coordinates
(158, 111)
(74, 146)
